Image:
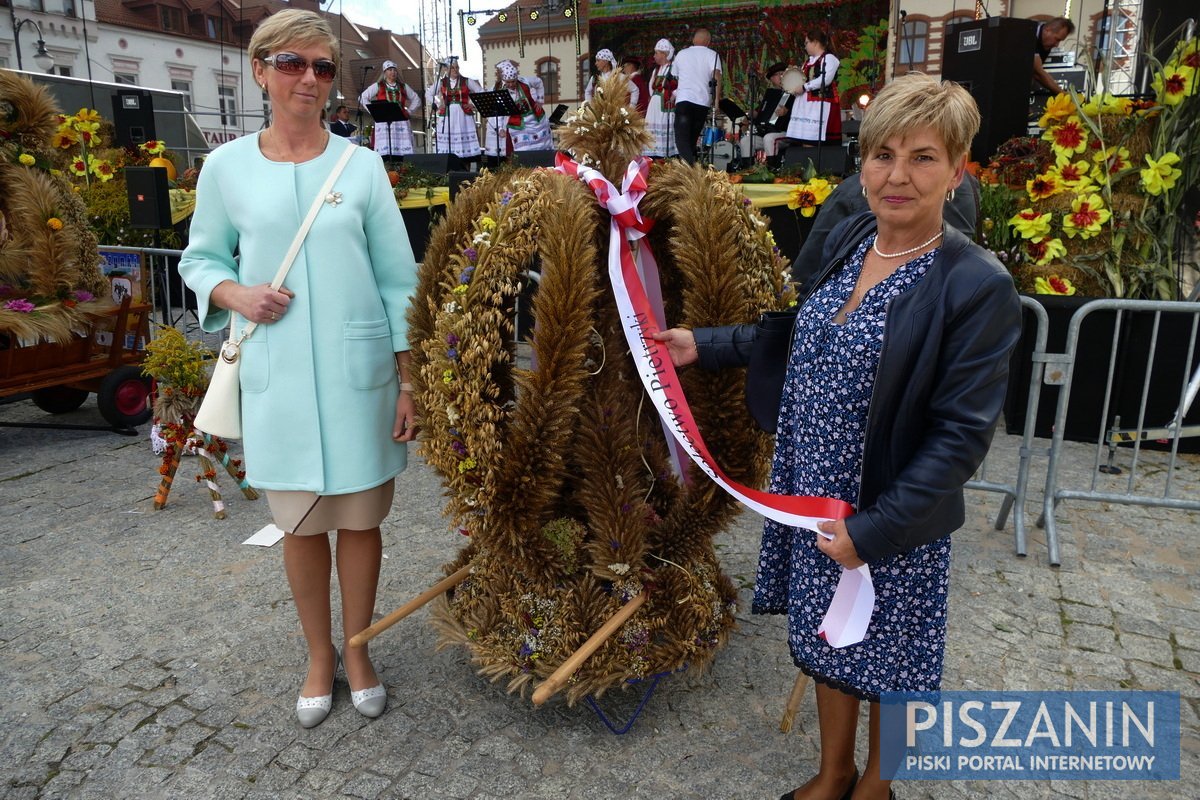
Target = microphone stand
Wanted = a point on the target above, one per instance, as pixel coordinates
(443, 71)
(821, 121)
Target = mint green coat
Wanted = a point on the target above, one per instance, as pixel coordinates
(319, 387)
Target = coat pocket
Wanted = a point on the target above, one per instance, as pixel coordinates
(255, 371)
(367, 348)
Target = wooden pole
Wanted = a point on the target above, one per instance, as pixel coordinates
(442, 586)
(793, 703)
(561, 675)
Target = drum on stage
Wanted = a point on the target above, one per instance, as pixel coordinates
(793, 80)
(711, 136)
(722, 155)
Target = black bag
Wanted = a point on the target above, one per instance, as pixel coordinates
(768, 366)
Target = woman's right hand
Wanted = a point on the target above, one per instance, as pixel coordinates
(260, 303)
(681, 345)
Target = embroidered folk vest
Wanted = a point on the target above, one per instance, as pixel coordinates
(665, 86)
(455, 94)
(393, 94)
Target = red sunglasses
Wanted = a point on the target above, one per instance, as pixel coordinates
(292, 64)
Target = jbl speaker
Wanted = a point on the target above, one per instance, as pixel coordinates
(149, 200)
(435, 163)
(828, 159)
(133, 117)
(534, 158)
(993, 60)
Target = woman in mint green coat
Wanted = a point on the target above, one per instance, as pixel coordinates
(325, 419)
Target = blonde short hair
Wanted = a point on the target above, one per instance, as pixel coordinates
(916, 101)
(292, 27)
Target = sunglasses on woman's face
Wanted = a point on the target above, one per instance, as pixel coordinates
(292, 64)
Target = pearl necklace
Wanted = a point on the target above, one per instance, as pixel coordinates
(909, 251)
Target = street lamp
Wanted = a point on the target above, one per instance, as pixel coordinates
(41, 57)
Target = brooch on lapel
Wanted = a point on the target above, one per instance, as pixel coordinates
(333, 198)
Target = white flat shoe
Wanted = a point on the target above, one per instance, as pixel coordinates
(312, 711)
(370, 702)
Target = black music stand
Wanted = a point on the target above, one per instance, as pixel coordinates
(493, 105)
(387, 112)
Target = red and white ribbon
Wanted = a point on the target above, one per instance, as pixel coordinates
(636, 289)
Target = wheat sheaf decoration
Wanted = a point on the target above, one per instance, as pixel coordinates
(559, 473)
(51, 287)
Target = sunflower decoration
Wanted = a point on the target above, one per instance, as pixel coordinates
(51, 287)
(557, 469)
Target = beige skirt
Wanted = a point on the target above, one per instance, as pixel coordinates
(306, 513)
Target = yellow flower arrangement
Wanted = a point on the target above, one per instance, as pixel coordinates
(54, 224)
(27, 159)
(1103, 212)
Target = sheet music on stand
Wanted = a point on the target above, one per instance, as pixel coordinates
(495, 104)
(387, 111)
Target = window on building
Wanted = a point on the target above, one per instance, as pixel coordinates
(125, 77)
(186, 88)
(212, 27)
(63, 70)
(171, 19)
(36, 5)
(914, 39)
(3, 62)
(69, 8)
(228, 100)
(547, 70)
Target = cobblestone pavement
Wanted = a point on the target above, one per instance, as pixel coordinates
(149, 654)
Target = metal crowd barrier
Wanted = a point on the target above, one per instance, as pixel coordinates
(1112, 435)
(1014, 492)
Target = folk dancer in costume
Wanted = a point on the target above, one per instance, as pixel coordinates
(817, 112)
(632, 67)
(606, 62)
(454, 119)
(392, 139)
(495, 129)
(770, 124)
(660, 114)
(529, 129)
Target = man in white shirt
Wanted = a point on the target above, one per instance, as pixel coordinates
(699, 71)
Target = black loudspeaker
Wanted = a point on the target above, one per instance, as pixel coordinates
(993, 60)
(829, 159)
(149, 198)
(534, 158)
(435, 163)
(459, 181)
(133, 117)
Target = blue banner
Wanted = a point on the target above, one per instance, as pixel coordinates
(1112, 736)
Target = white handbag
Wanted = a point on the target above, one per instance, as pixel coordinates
(220, 412)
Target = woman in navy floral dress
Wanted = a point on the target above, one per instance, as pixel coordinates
(895, 380)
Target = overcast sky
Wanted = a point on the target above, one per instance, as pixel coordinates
(404, 16)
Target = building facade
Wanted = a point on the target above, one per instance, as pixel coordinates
(196, 48)
(544, 46)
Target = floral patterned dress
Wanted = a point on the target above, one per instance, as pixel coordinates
(818, 451)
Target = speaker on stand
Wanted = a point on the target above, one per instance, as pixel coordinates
(150, 209)
(133, 117)
(992, 59)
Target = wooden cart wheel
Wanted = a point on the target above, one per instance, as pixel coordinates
(59, 399)
(124, 397)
